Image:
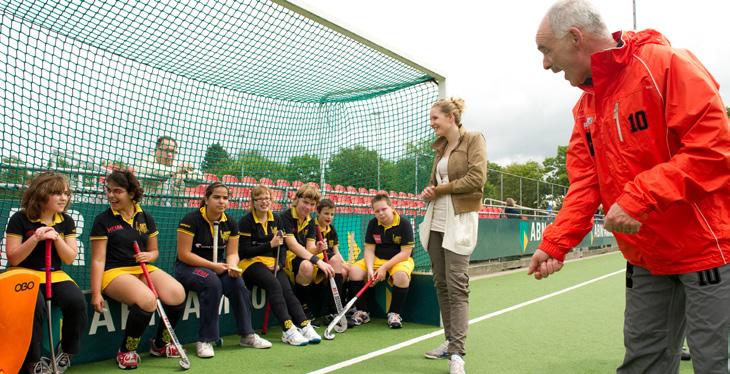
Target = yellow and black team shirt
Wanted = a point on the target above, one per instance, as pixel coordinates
(256, 236)
(388, 240)
(119, 233)
(20, 226)
(330, 236)
(196, 224)
(302, 228)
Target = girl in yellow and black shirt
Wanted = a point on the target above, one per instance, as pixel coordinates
(41, 219)
(260, 239)
(198, 271)
(115, 269)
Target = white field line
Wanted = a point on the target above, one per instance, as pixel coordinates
(415, 340)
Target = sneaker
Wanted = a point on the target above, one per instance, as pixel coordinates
(456, 365)
(395, 321)
(361, 317)
(168, 350)
(40, 367)
(128, 360)
(440, 352)
(204, 349)
(254, 341)
(63, 359)
(294, 337)
(309, 333)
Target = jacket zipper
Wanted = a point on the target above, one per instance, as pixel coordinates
(618, 123)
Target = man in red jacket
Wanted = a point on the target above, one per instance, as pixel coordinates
(650, 141)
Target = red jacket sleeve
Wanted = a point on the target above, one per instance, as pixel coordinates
(700, 162)
(575, 218)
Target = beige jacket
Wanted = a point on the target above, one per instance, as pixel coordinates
(467, 171)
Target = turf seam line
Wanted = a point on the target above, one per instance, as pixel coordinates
(421, 338)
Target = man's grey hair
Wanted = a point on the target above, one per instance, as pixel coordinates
(582, 14)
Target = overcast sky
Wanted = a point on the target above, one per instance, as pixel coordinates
(486, 50)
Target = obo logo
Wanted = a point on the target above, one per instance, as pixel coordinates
(25, 286)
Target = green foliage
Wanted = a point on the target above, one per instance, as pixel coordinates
(304, 168)
(357, 164)
(555, 170)
(215, 158)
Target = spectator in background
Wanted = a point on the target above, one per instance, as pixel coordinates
(511, 211)
(163, 174)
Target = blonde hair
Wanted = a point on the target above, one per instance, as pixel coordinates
(41, 187)
(258, 191)
(307, 191)
(452, 106)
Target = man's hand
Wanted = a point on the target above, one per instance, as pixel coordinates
(542, 265)
(617, 220)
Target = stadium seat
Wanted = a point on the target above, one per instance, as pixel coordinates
(208, 177)
(363, 190)
(230, 179)
(402, 194)
(266, 181)
(316, 185)
(340, 188)
(200, 189)
(297, 184)
(327, 187)
(249, 180)
(372, 191)
(283, 183)
(351, 189)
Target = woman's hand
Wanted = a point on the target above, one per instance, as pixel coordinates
(429, 193)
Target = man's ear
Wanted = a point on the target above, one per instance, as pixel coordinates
(576, 36)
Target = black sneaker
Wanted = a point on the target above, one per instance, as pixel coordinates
(685, 356)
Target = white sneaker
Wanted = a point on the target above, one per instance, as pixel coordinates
(254, 341)
(204, 349)
(309, 333)
(294, 337)
(439, 352)
(456, 365)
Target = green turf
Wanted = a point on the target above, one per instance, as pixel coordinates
(576, 332)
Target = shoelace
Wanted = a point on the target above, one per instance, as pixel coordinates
(128, 356)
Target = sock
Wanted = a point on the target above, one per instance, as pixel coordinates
(174, 313)
(399, 298)
(354, 288)
(137, 322)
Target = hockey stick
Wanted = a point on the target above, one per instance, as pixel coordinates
(265, 324)
(184, 361)
(328, 332)
(49, 295)
(342, 326)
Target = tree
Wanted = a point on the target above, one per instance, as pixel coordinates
(252, 163)
(216, 158)
(356, 166)
(555, 170)
(303, 168)
(526, 191)
(412, 172)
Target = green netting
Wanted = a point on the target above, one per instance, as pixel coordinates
(251, 91)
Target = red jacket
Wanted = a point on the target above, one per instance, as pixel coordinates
(651, 134)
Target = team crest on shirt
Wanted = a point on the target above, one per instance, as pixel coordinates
(330, 243)
(141, 227)
(377, 238)
(225, 235)
(396, 239)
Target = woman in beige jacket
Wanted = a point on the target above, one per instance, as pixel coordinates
(449, 231)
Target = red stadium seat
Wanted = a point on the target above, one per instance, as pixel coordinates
(283, 183)
(297, 184)
(266, 181)
(372, 191)
(402, 194)
(193, 203)
(351, 189)
(362, 190)
(327, 187)
(248, 180)
(230, 179)
(340, 188)
(210, 177)
(200, 189)
(316, 185)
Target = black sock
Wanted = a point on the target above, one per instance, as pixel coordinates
(174, 313)
(354, 288)
(137, 322)
(399, 298)
(304, 294)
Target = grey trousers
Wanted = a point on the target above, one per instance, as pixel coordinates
(452, 289)
(658, 310)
